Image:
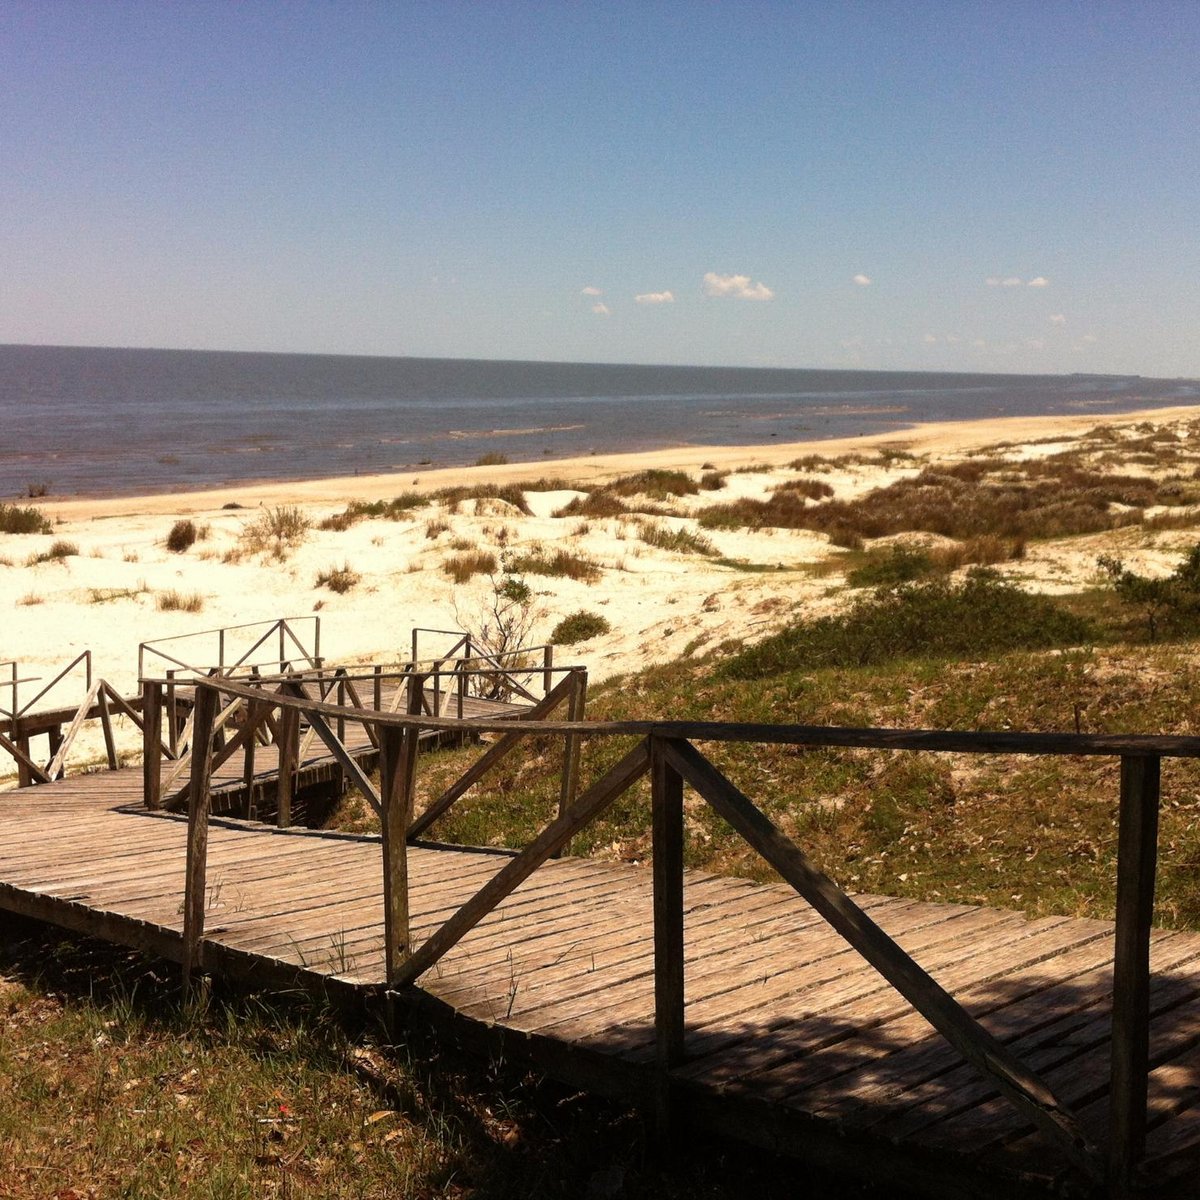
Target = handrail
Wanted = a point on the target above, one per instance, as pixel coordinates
(282, 626)
(665, 749)
(18, 709)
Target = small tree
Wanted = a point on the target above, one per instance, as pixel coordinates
(1169, 600)
(500, 624)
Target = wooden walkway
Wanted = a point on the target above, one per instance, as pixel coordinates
(793, 1040)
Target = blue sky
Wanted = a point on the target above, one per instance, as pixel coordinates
(949, 186)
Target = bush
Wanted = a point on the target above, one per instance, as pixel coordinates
(338, 579)
(580, 626)
(657, 484)
(393, 510)
(59, 550)
(493, 458)
(935, 619)
(276, 530)
(181, 537)
(452, 497)
(23, 520)
(1172, 601)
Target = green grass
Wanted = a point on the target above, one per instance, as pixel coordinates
(564, 564)
(110, 1085)
(396, 509)
(578, 627)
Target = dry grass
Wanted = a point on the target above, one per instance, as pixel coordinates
(275, 531)
(58, 551)
(15, 519)
(463, 567)
(175, 601)
(339, 579)
(563, 564)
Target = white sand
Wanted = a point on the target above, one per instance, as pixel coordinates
(660, 604)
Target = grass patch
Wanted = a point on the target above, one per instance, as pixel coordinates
(678, 541)
(58, 551)
(564, 564)
(15, 519)
(656, 484)
(580, 626)
(175, 601)
(275, 531)
(510, 493)
(462, 567)
(339, 579)
(493, 458)
(935, 619)
(396, 509)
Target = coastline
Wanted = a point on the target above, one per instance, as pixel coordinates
(935, 438)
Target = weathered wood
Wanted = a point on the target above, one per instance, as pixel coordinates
(983, 742)
(394, 788)
(197, 839)
(152, 744)
(1137, 856)
(594, 801)
(486, 761)
(55, 767)
(110, 746)
(667, 825)
(27, 769)
(572, 745)
(1016, 1082)
(289, 746)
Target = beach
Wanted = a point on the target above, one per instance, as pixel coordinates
(106, 593)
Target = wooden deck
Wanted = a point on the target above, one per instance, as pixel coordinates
(793, 1041)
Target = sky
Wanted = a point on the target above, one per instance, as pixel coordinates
(889, 185)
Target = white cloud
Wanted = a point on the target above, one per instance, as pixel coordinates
(1058, 319)
(862, 280)
(601, 309)
(1040, 281)
(656, 298)
(737, 286)
(591, 291)
(1005, 281)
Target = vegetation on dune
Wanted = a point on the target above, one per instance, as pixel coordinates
(182, 536)
(578, 627)
(275, 531)
(1170, 603)
(510, 493)
(563, 564)
(396, 509)
(15, 519)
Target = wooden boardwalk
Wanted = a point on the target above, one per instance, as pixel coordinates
(792, 1038)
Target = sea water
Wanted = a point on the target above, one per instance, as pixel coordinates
(111, 421)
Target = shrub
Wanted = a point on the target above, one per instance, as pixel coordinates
(600, 503)
(452, 497)
(935, 619)
(580, 626)
(58, 551)
(436, 527)
(173, 601)
(1172, 601)
(461, 567)
(657, 484)
(14, 519)
(811, 489)
(181, 537)
(36, 490)
(338, 579)
(393, 510)
(493, 458)
(562, 563)
(276, 530)
(713, 481)
(901, 564)
(681, 541)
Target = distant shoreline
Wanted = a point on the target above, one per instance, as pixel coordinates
(936, 438)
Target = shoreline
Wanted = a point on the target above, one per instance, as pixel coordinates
(941, 437)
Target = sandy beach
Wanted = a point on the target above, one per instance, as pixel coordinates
(106, 594)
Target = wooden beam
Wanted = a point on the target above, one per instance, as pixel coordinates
(1015, 1081)
(590, 805)
(576, 704)
(59, 760)
(394, 787)
(1137, 856)
(667, 825)
(289, 745)
(199, 799)
(110, 746)
(27, 767)
(152, 744)
(486, 761)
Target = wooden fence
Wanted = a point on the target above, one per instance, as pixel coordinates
(667, 752)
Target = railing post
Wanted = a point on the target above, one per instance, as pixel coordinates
(172, 715)
(194, 893)
(1137, 854)
(414, 647)
(24, 776)
(110, 746)
(152, 698)
(547, 668)
(289, 747)
(378, 688)
(393, 786)
(576, 704)
(667, 800)
(412, 736)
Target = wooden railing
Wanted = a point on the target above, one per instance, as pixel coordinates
(524, 661)
(214, 650)
(666, 750)
(14, 708)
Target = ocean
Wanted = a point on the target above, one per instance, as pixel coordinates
(78, 420)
